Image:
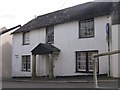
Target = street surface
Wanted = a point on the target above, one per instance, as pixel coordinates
(8, 84)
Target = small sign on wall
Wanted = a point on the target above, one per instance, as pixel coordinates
(16, 56)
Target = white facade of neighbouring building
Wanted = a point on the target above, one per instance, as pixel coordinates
(115, 46)
(75, 55)
(115, 59)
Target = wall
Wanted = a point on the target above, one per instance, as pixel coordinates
(36, 37)
(115, 46)
(66, 39)
(6, 48)
(119, 49)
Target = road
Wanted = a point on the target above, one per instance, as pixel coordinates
(8, 84)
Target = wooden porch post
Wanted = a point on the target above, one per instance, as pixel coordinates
(47, 65)
(51, 75)
(33, 66)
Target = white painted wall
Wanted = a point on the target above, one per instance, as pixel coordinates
(18, 50)
(36, 37)
(66, 39)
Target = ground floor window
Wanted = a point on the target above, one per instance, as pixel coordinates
(26, 63)
(84, 61)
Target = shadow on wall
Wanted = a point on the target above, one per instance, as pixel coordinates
(6, 60)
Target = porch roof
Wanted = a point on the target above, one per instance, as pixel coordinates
(42, 49)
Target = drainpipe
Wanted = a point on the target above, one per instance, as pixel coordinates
(108, 41)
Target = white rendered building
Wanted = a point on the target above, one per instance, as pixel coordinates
(62, 43)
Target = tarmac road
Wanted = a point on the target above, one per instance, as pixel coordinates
(10, 84)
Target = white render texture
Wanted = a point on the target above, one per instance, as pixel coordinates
(67, 40)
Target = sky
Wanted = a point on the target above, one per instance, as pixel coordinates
(15, 12)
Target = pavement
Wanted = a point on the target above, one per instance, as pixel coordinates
(68, 79)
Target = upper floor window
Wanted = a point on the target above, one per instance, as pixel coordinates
(86, 28)
(50, 35)
(26, 38)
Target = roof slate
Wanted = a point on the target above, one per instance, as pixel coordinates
(79, 12)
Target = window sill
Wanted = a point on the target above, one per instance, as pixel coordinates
(85, 72)
(25, 71)
(81, 72)
(25, 44)
(86, 37)
(49, 42)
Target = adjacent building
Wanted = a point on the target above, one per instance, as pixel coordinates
(6, 52)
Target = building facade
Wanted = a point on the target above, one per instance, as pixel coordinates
(62, 43)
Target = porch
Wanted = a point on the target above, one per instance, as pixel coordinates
(50, 51)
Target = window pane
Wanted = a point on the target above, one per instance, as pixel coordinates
(23, 63)
(90, 61)
(28, 63)
(81, 61)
